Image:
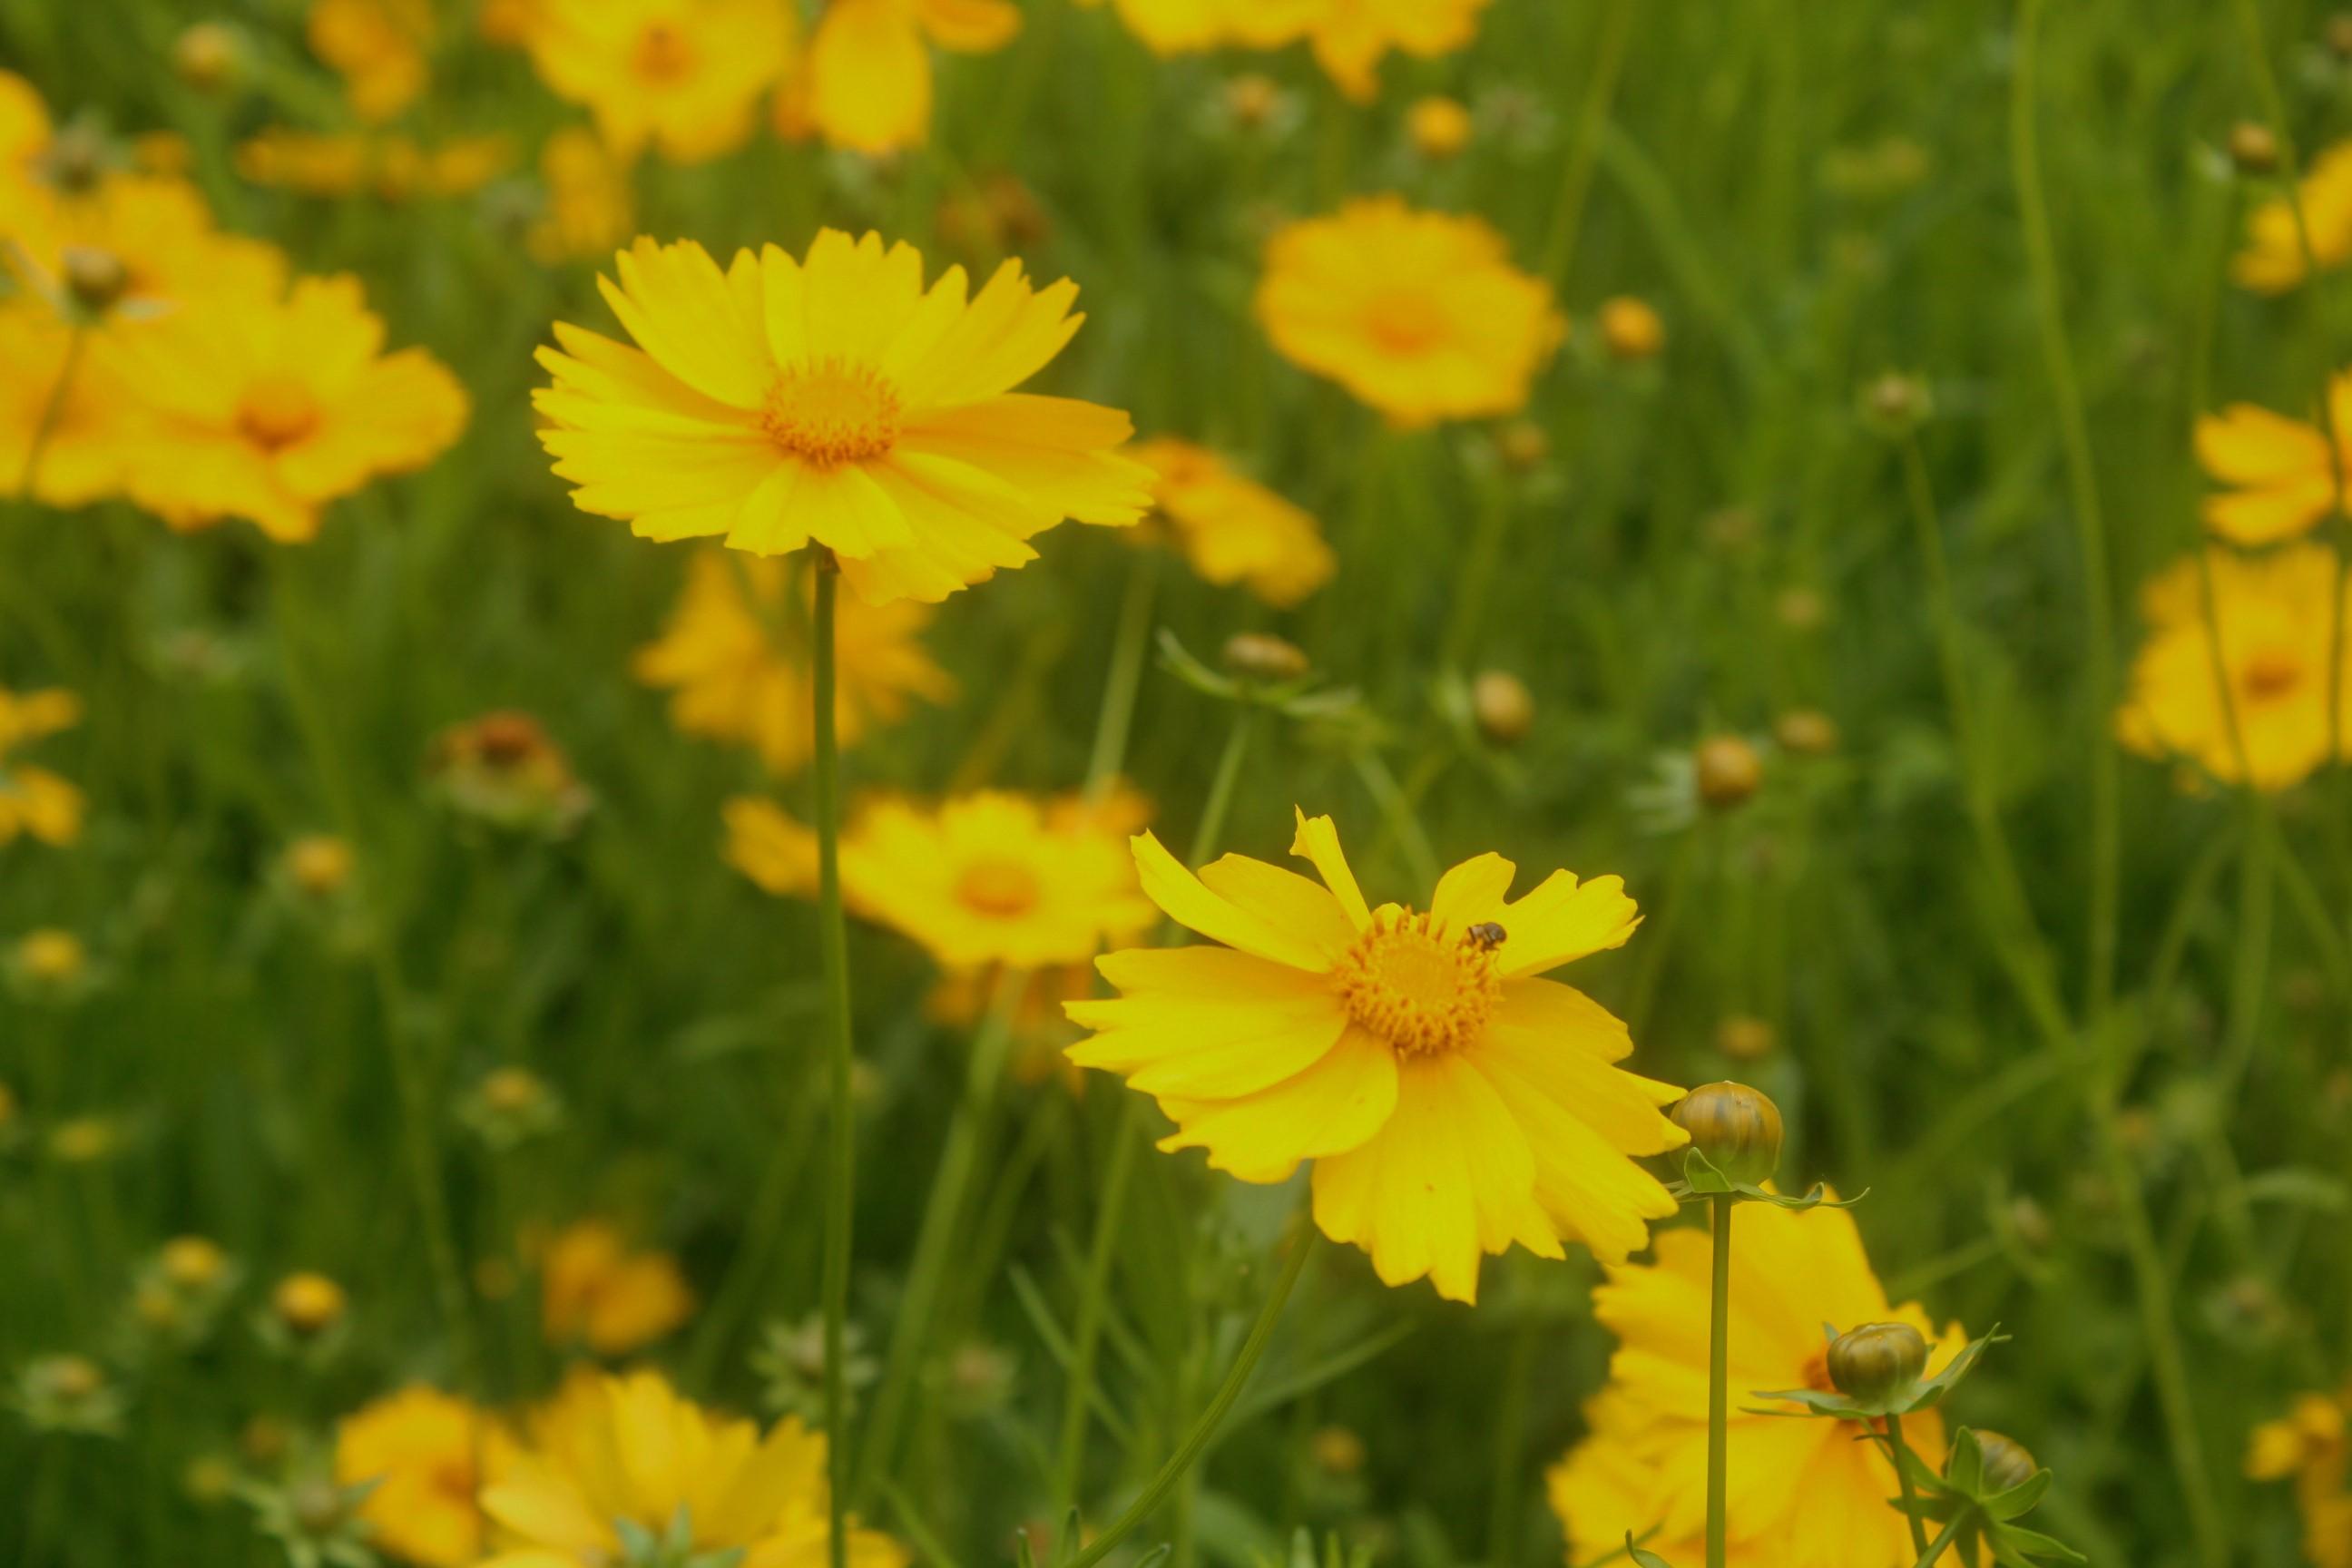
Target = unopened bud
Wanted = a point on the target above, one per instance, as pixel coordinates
(1631, 329)
(1744, 1038)
(2252, 148)
(2006, 1461)
(1896, 405)
(1261, 656)
(1251, 99)
(1523, 444)
(1504, 707)
(96, 278)
(309, 1304)
(1729, 771)
(1807, 731)
(207, 56)
(1440, 127)
(2339, 35)
(192, 1262)
(1736, 1127)
(1877, 1362)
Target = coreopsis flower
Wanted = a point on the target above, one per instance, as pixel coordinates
(1420, 314)
(1233, 529)
(71, 404)
(1169, 27)
(1812, 1493)
(2281, 472)
(591, 209)
(595, 1291)
(562, 1500)
(869, 72)
(424, 1455)
(1451, 1100)
(983, 878)
(2273, 616)
(157, 231)
(737, 660)
(380, 48)
(2273, 260)
(834, 401)
(390, 168)
(34, 802)
(685, 76)
(2307, 1446)
(269, 410)
(1350, 37)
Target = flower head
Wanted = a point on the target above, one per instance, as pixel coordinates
(2307, 1446)
(1419, 314)
(1233, 529)
(737, 660)
(2273, 619)
(1815, 1494)
(2272, 260)
(869, 72)
(32, 801)
(594, 1291)
(590, 207)
(1350, 37)
(834, 401)
(683, 75)
(2282, 476)
(378, 46)
(424, 1455)
(1452, 1101)
(610, 1452)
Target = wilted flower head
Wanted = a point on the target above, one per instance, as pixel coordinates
(504, 770)
(1232, 529)
(68, 1393)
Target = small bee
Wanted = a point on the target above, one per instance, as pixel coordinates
(1486, 936)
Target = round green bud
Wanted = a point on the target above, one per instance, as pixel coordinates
(2006, 1462)
(1875, 1362)
(1736, 1127)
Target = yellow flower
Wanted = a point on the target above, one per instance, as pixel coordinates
(308, 1303)
(1452, 1102)
(160, 231)
(1440, 127)
(80, 423)
(738, 666)
(869, 74)
(2272, 262)
(1234, 529)
(594, 1291)
(377, 47)
(608, 1449)
(2275, 618)
(590, 207)
(1812, 1493)
(425, 1455)
(2308, 1444)
(269, 410)
(34, 801)
(836, 401)
(1176, 27)
(390, 168)
(1419, 314)
(685, 76)
(1351, 36)
(51, 957)
(1630, 329)
(2283, 475)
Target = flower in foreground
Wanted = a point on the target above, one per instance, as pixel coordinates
(594, 1291)
(2282, 477)
(1233, 529)
(1419, 314)
(683, 75)
(1805, 1493)
(987, 878)
(834, 401)
(32, 801)
(1452, 1101)
(269, 409)
(424, 1455)
(609, 1454)
(2272, 260)
(2307, 1446)
(869, 73)
(2274, 617)
(737, 660)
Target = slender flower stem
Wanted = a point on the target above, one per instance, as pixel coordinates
(1898, 1450)
(1719, 1384)
(1131, 642)
(1301, 1245)
(1944, 1539)
(1576, 183)
(53, 409)
(841, 1166)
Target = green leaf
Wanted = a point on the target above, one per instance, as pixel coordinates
(2015, 1545)
(1964, 1474)
(2018, 1500)
(1929, 1392)
(1701, 1178)
(1641, 1558)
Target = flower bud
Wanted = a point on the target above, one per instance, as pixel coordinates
(192, 1262)
(1503, 707)
(1631, 329)
(1800, 609)
(309, 1304)
(319, 864)
(76, 159)
(1744, 1038)
(1877, 1360)
(1807, 732)
(1896, 405)
(1263, 657)
(52, 958)
(1251, 99)
(2253, 149)
(1736, 1127)
(2339, 35)
(95, 279)
(207, 56)
(1729, 772)
(2006, 1461)
(1440, 127)
(1338, 1451)
(1524, 444)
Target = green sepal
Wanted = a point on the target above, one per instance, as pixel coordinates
(1702, 1180)
(2021, 1548)
(1644, 1559)
(1924, 1395)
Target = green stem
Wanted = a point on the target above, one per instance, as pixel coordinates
(1301, 1243)
(52, 409)
(1129, 645)
(1576, 183)
(841, 1166)
(1719, 1384)
(1900, 1451)
(1944, 1539)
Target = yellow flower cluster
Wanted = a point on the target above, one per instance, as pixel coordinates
(2307, 1446)
(1349, 38)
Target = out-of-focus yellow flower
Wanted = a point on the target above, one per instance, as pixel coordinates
(85, 1140)
(504, 769)
(51, 957)
(987, 878)
(1630, 329)
(2272, 260)
(1419, 314)
(389, 168)
(1350, 37)
(1233, 529)
(1175, 26)
(1440, 127)
(307, 1304)
(509, 24)
(1642, 1468)
(2275, 619)
(193, 1263)
(2282, 475)
(834, 401)
(683, 75)
(737, 660)
(78, 418)
(590, 207)
(158, 229)
(594, 1291)
(425, 1455)
(1453, 1103)
(2308, 1444)
(34, 802)
(319, 864)
(869, 71)
(378, 46)
(560, 1498)
(272, 409)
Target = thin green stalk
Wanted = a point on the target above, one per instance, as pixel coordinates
(1942, 1543)
(1719, 1385)
(1576, 181)
(1128, 647)
(1301, 1244)
(841, 1166)
(52, 409)
(1899, 1451)
(2090, 526)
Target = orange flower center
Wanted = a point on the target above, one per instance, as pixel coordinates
(832, 413)
(663, 54)
(276, 411)
(1417, 986)
(999, 889)
(1406, 321)
(2271, 673)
